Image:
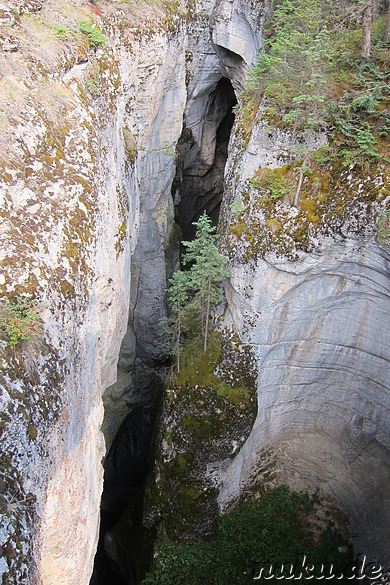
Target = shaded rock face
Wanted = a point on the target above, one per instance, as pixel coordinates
(236, 32)
(180, 90)
(318, 326)
(125, 470)
(181, 102)
(200, 175)
(87, 229)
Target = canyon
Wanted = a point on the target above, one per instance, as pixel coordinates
(102, 148)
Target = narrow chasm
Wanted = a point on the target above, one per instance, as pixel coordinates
(199, 181)
(125, 547)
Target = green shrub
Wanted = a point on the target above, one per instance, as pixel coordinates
(93, 34)
(61, 31)
(269, 184)
(20, 321)
(272, 529)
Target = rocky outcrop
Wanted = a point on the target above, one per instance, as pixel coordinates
(318, 328)
(65, 244)
(88, 135)
(317, 321)
(90, 144)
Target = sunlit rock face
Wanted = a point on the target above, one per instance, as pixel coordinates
(92, 142)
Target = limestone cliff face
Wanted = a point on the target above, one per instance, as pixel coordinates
(65, 226)
(173, 95)
(316, 312)
(91, 136)
(88, 136)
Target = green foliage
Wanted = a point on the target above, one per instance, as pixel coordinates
(270, 184)
(360, 115)
(92, 84)
(197, 368)
(384, 226)
(197, 365)
(93, 34)
(178, 297)
(291, 70)
(237, 206)
(273, 529)
(20, 321)
(313, 77)
(200, 285)
(61, 31)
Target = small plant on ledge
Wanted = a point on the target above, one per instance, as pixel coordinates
(384, 227)
(20, 321)
(93, 34)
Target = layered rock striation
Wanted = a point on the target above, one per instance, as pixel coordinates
(315, 309)
(100, 140)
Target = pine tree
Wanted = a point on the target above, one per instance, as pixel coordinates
(207, 271)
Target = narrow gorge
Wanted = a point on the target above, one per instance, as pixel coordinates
(111, 146)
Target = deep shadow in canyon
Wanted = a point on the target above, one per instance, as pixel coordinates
(199, 181)
(125, 548)
(125, 470)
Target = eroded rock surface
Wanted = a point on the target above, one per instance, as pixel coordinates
(88, 157)
(88, 136)
(317, 322)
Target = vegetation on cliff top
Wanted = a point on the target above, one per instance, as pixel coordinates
(312, 78)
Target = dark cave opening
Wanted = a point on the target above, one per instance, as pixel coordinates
(199, 181)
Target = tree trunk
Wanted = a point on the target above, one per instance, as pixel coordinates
(207, 315)
(178, 342)
(300, 181)
(294, 134)
(386, 36)
(367, 20)
(202, 310)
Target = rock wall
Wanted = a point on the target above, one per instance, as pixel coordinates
(66, 214)
(317, 320)
(88, 135)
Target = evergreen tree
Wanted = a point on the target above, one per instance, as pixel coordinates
(198, 289)
(292, 71)
(207, 271)
(292, 67)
